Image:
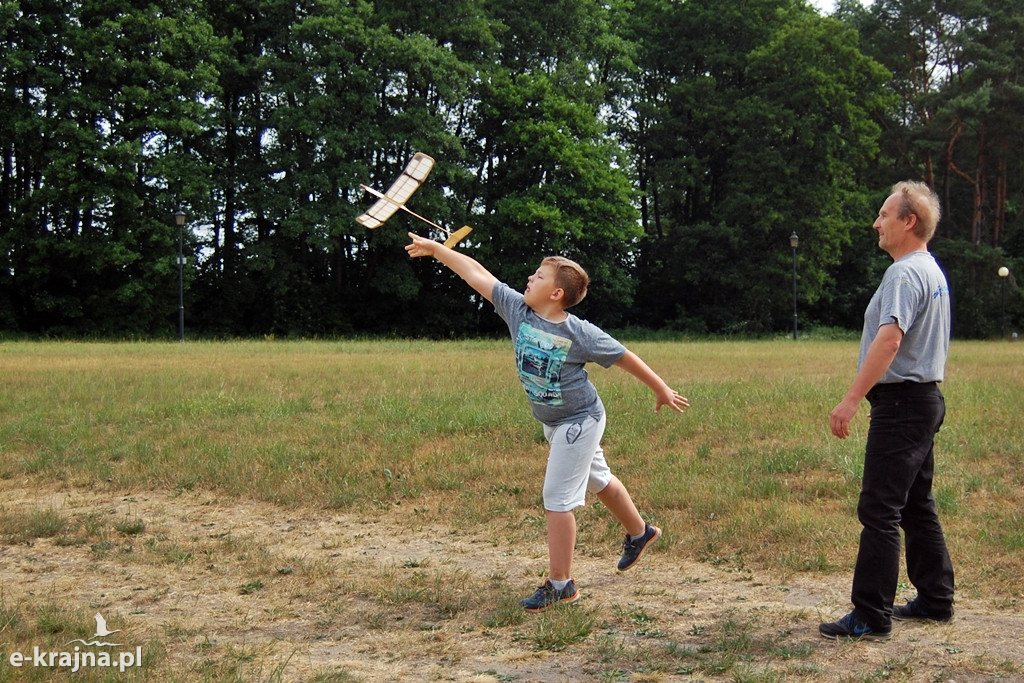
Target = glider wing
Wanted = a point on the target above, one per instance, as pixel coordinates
(416, 171)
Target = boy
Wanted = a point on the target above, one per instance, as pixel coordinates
(551, 348)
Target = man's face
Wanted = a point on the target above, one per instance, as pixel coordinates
(891, 228)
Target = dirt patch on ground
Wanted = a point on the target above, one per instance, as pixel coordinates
(216, 588)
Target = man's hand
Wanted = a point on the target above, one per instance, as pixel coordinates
(841, 417)
(877, 360)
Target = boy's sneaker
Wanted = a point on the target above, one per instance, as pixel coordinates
(632, 550)
(547, 595)
(913, 610)
(850, 627)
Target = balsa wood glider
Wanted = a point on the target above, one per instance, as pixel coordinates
(390, 202)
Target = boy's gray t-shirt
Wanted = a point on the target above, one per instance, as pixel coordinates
(914, 294)
(550, 359)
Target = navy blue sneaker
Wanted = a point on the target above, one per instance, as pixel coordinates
(913, 610)
(547, 595)
(850, 627)
(632, 550)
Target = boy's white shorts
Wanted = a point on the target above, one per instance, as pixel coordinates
(575, 464)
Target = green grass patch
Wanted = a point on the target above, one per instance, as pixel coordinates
(749, 477)
(750, 470)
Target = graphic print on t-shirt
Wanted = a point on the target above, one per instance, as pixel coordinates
(540, 356)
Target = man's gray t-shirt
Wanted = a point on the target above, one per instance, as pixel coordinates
(914, 294)
(550, 358)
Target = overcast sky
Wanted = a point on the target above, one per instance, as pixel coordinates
(826, 6)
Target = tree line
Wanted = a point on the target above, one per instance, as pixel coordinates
(670, 146)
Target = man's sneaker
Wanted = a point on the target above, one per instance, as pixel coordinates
(547, 595)
(913, 610)
(850, 627)
(632, 550)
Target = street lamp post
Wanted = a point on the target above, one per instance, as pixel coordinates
(794, 240)
(179, 220)
(1003, 272)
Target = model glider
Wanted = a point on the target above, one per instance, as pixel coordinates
(390, 202)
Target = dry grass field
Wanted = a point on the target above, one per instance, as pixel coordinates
(369, 511)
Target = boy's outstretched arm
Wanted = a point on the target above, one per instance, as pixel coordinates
(664, 395)
(466, 267)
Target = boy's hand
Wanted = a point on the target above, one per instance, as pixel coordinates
(466, 267)
(672, 399)
(664, 395)
(421, 246)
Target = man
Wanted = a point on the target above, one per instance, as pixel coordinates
(902, 359)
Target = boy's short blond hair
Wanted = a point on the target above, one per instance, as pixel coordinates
(570, 278)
